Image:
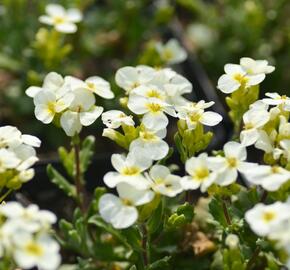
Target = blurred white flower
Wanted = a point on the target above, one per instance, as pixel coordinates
(285, 145)
(193, 113)
(237, 77)
(129, 169)
(63, 20)
(232, 241)
(41, 252)
(171, 52)
(252, 66)
(81, 112)
(271, 178)
(121, 211)
(228, 166)
(129, 78)
(263, 219)
(114, 119)
(163, 182)
(150, 143)
(254, 120)
(153, 110)
(200, 174)
(8, 160)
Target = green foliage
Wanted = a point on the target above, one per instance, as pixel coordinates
(160, 264)
(183, 215)
(61, 182)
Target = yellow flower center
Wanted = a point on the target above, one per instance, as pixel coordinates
(127, 202)
(51, 107)
(147, 136)
(232, 162)
(91, 85)
(167, 54)
(249, 126)
(240, 78)
(201, 173)
(153, 93)
(130, 171)
(284, 97)
(58, 20)
(275, 169)
(154, 107)
(34, 249)
(269, 216)
(194, 117)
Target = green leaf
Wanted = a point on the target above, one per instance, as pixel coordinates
(56, 178)
(187, 210)
(133, 267)
(216, 210)
(184, 215)
(156, 218)
(133, 237)
(100, 223)
(94, 206)
(87, 152)
(160, 264)
(67, 160)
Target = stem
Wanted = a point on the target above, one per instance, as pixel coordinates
(253, 259)
(145, 245)
(226, 213)
(2, 198)
(264, 196)
(78, 180)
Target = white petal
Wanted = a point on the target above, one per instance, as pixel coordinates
(70, 122)
(32, 91)
(255, 79)
(55, 10)
(233, 69)
(210, 118)
(234, 149)
(227, 84)
(125, 217)
(137, 104)
(31, 140)
(87, 118)
(46, 19)
(43, 114)
(249, 137)
(159, 172)
(66, 27)
(102, 87)
(227, 177)
(74, 15)
(109, 205)
(155, 120)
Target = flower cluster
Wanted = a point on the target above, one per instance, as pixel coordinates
(152, 95)
(248, 73)
(62, 20)
(68, 101)
(17, 155)
(272, 221)
(25, 238)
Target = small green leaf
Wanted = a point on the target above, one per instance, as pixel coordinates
(87, 152)
(67, 160)
(216, 210)
(160, 264)
(156, 218)
(56, 178)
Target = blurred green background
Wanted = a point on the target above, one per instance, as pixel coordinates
(115, 33)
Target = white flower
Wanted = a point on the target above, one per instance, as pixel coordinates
(64, 21)
(121, 211)
(114, 119)
(53, 82)
(237, 77)
(171, 52)
(270, 178)
(8, 160)
(47, 105)
(232, 241)
(128, 169)
(164, 182)
(150, 143)
(252, 66)
(228, 166)
(263, 219)
(285, 145)
(149, 91)
(153, 110)
(129, 78)
(42, 252)
(193, 113)
(81, 112)
(254, 119)
(200, 175)
(94, 84)
(276, 99)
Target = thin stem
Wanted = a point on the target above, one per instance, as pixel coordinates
(78, 180)
(2, 198)
(253, 259)
(264, 196)
(145, 245)
(226, 213)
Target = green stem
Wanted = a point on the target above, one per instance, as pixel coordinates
(145, 245)
(253, 259)
(78, 180)
(2, 198)
(226, 213)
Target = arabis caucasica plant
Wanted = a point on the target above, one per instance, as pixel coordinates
(150, 214)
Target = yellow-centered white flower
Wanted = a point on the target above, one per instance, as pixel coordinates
(129, 169)
(263, 219)
(114, 119)
(252, 66)
(200, 174)
(171, 52)
(62, 20)
(277, 100)
(121, 211)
